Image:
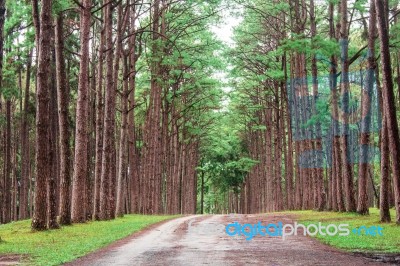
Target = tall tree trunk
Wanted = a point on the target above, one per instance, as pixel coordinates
(364, 165)
(5, 198)
(25, 158)
(99, 126)
(385, 186)
(53, 150)
(109, 109)
(133, 151)
(319, 195)
(7, 166)
(345, 92)
(120, 176)
(2, 20)
(278, 154)
(152, 144)
(63, 124)
(79, 186)
(336, 158)
(122, 168)
(389, 108)
(384, 205)
(42, 116)
(289, 157)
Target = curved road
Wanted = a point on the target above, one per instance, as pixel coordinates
(201, 240)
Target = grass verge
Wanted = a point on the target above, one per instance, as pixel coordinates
(55, 247)
(389, 242)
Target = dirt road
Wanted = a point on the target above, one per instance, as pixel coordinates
(201, 240)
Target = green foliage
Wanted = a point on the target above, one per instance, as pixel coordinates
(18, 41)
(360, 5)
(62, 5)
(188, 64)
(297, 43)
(224, 161)
(9, 88)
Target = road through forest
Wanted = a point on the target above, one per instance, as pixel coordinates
(185, 241)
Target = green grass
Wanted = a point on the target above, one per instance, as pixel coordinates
(388, 243)
(54, 247)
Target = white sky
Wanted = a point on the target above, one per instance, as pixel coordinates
(224, 31)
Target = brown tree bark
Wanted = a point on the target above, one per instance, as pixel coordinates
(52, 186)
(289, 156)
(7, 166)
(389, 108)
(384, 205)
(122, 156)
(109, 117)
(2, 20)
(123, 147)
(345, 90)
(150, 170)
(5, 197)
(99, 126)
(79, 186)
(63, 125)
(25, 158)
(364, 165)
(318, 174)
(385, 185)
(337, 179)
(278, 154)
(134, 162)
(39, 221)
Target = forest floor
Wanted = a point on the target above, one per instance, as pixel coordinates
(18, 244)
(201, 240)
(388, 242)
